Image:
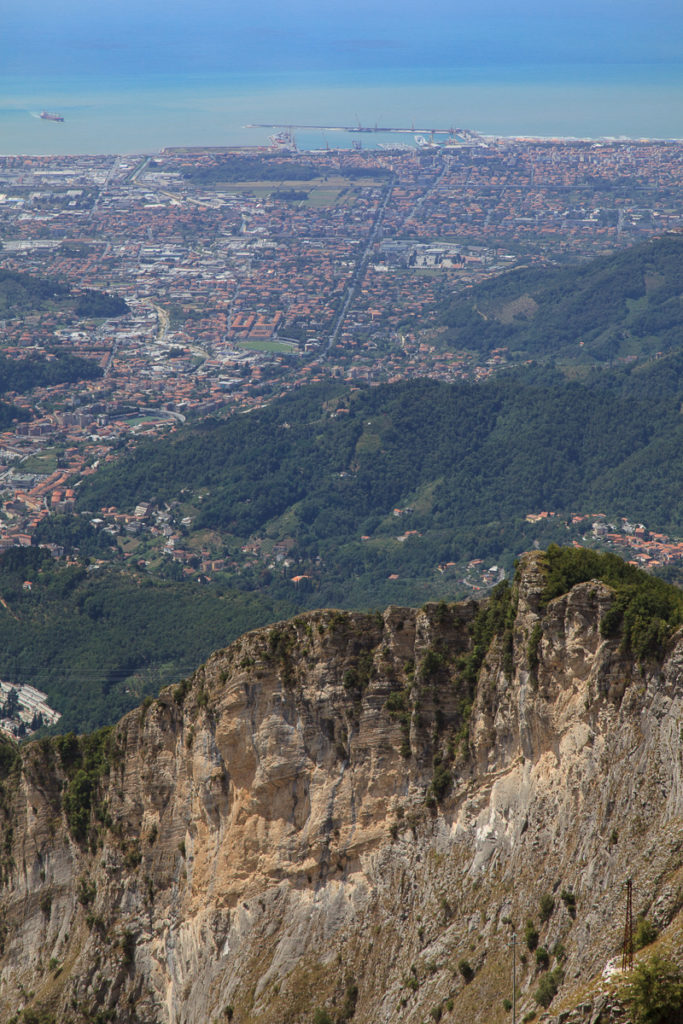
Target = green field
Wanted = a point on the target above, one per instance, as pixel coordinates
(269, 346)
(41, 462)
(322, 192)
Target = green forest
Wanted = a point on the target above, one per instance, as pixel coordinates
(248, 168)
(369, 490)
(98, 641)
(25, 293)
(22, 375)
(267, 167)
(8, 413)
(326, 467)
(646, 610)
(22, 293)
(613, 307)
(100, 305)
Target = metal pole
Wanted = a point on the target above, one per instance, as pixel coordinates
(627, 952)
(514, 977)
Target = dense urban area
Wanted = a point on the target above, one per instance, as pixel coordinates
(231, 277)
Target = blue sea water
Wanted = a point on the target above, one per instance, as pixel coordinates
(146, 113)
(139, 75)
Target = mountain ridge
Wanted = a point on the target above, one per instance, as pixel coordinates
(623, 305)
(275, 837)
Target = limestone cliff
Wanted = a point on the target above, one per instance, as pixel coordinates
(348, 813)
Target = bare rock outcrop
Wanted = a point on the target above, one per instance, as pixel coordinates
(351, 812)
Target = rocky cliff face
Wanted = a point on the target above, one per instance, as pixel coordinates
(349, 813)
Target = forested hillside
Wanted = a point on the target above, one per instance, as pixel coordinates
(612, 307)
(21, 375)
(98, 641)
(326, 467)
(22, 293)
(11, 412)
(353, 497)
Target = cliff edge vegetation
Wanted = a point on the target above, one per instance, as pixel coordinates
(345, 817)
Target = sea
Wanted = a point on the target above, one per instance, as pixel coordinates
(145, 113)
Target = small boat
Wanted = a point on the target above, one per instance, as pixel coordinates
(47, 116)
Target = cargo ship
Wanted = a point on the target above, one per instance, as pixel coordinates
(47, 116)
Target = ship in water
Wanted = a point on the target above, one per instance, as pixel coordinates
(47, 116)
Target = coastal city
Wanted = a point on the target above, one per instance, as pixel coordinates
(245, 274)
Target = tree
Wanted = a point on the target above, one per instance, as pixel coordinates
(644, 934)
(11, 704)
(548, 986)
(547, 902)
(655, 992)
(531, 935)
(466, 971)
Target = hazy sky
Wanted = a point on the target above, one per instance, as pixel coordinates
(134, 36)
